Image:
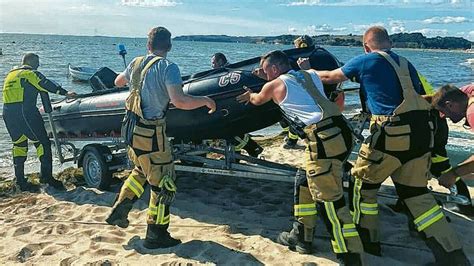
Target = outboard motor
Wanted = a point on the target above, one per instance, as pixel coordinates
(103, 79)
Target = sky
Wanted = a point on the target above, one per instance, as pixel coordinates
(133, 18)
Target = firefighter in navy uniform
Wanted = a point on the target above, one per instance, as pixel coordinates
(24, 122)
(400, 144)
(300, 95)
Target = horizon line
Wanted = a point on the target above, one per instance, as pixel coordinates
(128, 37)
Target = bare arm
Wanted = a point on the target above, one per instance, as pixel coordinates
(121, 80)
(265, 95)
(332, 77)
(465, 169)
(187, 102)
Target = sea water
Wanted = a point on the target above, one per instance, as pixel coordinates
(56, 52)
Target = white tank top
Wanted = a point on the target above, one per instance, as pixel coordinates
(298, 103)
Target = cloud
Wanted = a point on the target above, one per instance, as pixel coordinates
(324, 28)
(445, 20)
(150, 3)
(292, 30)
(361, 28)
(453, 3)
(396, 26)
(432, 32)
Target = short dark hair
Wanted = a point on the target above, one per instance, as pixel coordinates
(159, 38)
(448, 93)
(220, 57)
(277, 58)
(29, 58)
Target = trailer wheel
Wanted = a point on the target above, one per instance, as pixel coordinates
(96, 171)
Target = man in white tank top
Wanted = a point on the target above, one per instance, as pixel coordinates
(328, 138)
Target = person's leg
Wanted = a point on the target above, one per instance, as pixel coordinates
(37, 134)
(132, 189)
(300, 237)
(325, 182)
(20, 151)
(411, 182)
(159, 169)
(370, 170)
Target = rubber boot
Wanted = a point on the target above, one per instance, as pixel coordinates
(289, 143)
(442, 257)
(253, 148)
(24, 185)
(21, 181)
(370, 247)
(295, 239)
(349, 259)
(119, 214)
(58, 185)
(157, 236)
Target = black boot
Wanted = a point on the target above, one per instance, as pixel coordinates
(157, 236)
(370, 247)
(295, 239)
(442, 257)
(24, 185)
(253, 148)
(119, 214)
(58, 185)
(349, 259)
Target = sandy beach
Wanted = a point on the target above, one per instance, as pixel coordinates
(221, 220)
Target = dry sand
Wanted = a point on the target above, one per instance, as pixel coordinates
(221, 220)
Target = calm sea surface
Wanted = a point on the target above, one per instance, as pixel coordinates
(56, 52)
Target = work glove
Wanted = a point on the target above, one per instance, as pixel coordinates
(168, 190)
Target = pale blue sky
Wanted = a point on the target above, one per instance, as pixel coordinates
(133, 18)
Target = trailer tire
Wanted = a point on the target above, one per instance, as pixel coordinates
(96, 171)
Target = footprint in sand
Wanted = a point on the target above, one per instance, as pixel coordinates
(105, 252)
(51, 250)
(61, 229)
(22, 230)
(112, 239)
(68, 261)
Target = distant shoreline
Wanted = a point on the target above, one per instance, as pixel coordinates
(400, 40)
(414, 41)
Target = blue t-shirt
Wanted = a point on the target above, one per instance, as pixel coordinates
(380, 87)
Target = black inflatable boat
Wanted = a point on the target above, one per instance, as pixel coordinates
(99, 114)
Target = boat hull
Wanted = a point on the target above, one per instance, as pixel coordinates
(99, 114)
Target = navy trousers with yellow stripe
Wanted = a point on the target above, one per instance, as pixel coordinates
(23, 125)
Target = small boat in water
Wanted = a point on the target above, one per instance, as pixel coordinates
(81, 73)
(99, 114)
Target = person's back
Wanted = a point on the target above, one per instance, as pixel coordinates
(154, 93)
(379, 82)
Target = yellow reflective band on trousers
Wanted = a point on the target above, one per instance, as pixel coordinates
(438, 159)
(19, 151)
(21, 139)
(40, 150)
(305, 209)
(369, 208)
(356, 200)
(285, 129)
(159, 211)
(349, 230)
(134, 186)
(428, 218)
(242, 142)
(292, 136)
(338, 244)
